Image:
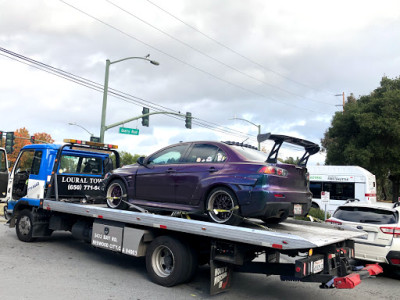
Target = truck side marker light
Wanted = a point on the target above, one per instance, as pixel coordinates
(163, 226)
(100, 216)
(276, 246)
(284, 242)
(203, 228)
(139, 219)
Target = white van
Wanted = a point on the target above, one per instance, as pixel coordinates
(343, 183)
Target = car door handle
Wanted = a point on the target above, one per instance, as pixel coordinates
(212, 169)
(170, 170)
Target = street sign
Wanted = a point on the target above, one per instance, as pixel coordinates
(325, 197)
(131, 131)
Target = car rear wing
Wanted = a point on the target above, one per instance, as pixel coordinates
(309, 147)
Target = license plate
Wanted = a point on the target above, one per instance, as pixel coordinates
(298, 209)
(318, 266)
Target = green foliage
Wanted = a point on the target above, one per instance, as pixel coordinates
(127, 158)
(290, 160)
(316, 213)
(367, 133)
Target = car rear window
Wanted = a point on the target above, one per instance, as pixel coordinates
(251, 154)
(366, 215)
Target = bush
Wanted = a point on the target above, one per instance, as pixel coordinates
(316, 213)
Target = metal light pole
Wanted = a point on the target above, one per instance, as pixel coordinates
(258, 126)
(91, 134)
(104, 108)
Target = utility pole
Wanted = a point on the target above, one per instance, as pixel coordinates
(343, 100)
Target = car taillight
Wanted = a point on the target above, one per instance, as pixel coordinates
(273, 171)
(333, 222)
(395, 261)
(391, 230)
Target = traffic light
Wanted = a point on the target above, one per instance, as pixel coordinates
(10, 142)
(145, 119)
(33, 138)
(188, 120)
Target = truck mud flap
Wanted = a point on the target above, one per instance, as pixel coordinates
(221, 277)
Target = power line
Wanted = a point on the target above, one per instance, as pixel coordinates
(234, 51)
(118, 94)
(269, 98)
(211, 57)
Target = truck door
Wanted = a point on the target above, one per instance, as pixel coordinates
(25, 176)
(3, 174)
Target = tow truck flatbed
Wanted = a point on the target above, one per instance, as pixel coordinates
(291, 234)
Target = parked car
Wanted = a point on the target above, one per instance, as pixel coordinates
(382, 223)
(226, 180)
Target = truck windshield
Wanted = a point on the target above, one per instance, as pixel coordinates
(80, 165)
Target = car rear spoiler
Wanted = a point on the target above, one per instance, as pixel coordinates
(309, 147)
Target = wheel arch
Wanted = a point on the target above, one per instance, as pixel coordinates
(232, 188)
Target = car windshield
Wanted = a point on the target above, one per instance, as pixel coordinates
(251, 154)
(366, 215)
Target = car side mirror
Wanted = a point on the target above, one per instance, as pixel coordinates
(140, 161)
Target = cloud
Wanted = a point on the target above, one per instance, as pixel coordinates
(278, 65)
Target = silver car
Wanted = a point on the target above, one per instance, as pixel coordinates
(382, 223)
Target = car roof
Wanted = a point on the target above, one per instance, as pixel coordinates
(378, 205)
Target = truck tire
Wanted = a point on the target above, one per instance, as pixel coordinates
(170, 262)
(24, 226)
(116, 194)
(224, 199)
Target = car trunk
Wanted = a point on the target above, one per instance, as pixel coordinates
(374, 221)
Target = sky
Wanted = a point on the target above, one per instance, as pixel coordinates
(277, 64)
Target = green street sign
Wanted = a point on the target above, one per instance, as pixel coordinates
(131, 131)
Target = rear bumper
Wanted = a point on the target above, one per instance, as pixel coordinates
(393, 258)
(274, 203)
(370, 252)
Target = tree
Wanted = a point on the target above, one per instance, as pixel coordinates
(290, 160)
(367, 134)
(22, 138)
(127, 158)
(42, 137)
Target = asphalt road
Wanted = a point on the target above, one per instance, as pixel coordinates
(63, 268)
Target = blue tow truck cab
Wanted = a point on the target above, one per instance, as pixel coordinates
(78, 168)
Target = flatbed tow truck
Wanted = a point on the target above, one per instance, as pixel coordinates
(175, 245)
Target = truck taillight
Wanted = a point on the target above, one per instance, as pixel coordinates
(391, 230)
(273, 171)
(334, 222)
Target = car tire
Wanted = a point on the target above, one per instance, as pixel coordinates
(223, 199)
(116, 195)
(24, 226)
(170, 262)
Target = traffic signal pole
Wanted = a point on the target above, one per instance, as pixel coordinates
(144, 115)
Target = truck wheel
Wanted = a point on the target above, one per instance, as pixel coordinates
(169, 262)
(222, 207)
(116, 192)
(24, 226)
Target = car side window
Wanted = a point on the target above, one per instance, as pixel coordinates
(204, 153)
(171, 155)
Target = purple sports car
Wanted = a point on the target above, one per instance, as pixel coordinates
(226, 180)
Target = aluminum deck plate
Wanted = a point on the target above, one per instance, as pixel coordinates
(286, 235)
